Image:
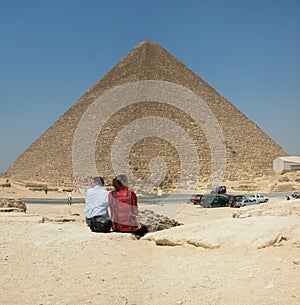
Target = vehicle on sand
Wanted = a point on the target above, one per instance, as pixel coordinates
(196, 198)
(214, 201)
(296, 194)
(258, 198)
(245, 202)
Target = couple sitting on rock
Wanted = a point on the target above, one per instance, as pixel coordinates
(121, 202)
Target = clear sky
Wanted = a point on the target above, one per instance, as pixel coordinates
(52, 51)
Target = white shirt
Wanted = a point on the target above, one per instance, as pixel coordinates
(96, 202)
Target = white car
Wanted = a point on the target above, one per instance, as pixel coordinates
(258, 198)
(244, 202)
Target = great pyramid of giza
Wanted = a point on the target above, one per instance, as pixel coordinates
(249, 151)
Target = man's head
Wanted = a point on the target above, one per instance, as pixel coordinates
(98, 181)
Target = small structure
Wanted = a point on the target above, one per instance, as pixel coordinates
(285, 164)
(12, 205)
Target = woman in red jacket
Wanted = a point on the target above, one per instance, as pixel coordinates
(123, 208)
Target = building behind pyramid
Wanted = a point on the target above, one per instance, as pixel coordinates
(249, 151)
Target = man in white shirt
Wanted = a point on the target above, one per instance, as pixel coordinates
(70, 198)
(96, 200)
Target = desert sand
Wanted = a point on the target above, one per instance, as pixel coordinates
(49, 256)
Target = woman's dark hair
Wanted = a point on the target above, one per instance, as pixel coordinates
(120, 182)
(117, 184)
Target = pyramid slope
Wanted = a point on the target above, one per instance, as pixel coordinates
(250, 151)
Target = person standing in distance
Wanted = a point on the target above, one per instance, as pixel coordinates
(70, 198)
(96, 200)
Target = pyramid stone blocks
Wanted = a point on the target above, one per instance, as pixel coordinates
(249, 151)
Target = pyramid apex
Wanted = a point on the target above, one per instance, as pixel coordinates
(147, 42)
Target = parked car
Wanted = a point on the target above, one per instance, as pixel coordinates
(296, 194)
(214, 201)
(244, 202)
(233, 199)
(196, 198)
(239, 197)
(258, 198)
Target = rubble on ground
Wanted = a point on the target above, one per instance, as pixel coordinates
(155, 222)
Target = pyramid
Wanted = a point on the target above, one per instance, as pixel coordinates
(249, 151)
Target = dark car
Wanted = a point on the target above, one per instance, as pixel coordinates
(196, 199)
(240, 197)
(296, 195)
(214, 201)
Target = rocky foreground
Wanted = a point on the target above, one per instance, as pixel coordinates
(257, 226)
(49, 256)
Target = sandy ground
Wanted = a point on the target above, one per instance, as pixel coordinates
(59, 261)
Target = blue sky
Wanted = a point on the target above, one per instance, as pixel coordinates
(53, 51)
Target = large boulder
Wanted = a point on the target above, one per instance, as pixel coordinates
(155, 222)
(251, 232)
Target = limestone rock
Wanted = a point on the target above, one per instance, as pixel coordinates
(155, 222)
(253, 232)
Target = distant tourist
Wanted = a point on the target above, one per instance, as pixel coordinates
(96, 201)
(123, 208)
(70, 198)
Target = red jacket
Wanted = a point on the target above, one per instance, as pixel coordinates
(123, 209)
